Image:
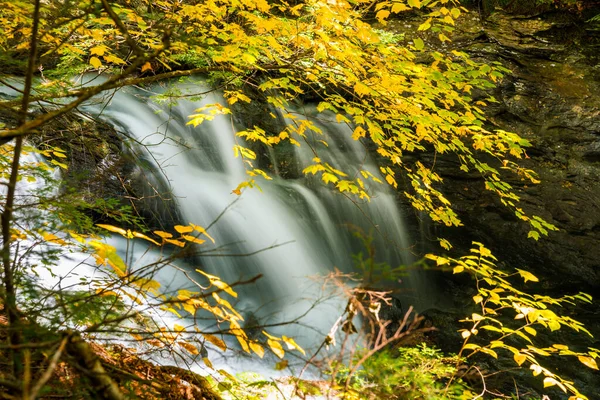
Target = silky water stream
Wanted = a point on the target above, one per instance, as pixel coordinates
(289, 231)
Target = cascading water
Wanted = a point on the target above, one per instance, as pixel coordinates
(288, 231)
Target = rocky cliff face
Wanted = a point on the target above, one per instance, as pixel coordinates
(552, 98)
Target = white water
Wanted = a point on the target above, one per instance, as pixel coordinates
(301, 225)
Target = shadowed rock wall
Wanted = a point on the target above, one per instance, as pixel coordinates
(552, 98)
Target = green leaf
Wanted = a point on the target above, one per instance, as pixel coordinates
(419, 44)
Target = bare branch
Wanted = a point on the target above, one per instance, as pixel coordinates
(50, 370)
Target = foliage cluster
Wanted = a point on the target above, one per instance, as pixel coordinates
(287, 51)
(496, 297)
(419, 372)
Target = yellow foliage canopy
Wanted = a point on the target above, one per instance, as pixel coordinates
(366, 76)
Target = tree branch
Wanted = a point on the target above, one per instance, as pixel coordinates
(9, 292)
(102, 383)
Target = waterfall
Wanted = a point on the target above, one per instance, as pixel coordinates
(292, 228)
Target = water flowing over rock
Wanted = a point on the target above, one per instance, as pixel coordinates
(287, 230)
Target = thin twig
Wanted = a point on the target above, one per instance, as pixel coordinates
(50, 370)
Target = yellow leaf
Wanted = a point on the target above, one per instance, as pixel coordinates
(281, 365)
(527, 276)
(243, 342)
(270, 336)
(553, 325)
(59, 155)
(489, 352)
(113, 59)
(476, 317)
(216, 341)
(202, 231)
(458, 269)
(291, 343)
(227, 305)
(164, 235)
(588, 362)
(548, 381)
(390, 180)
(189, 347)
(449, 20)
(98, 50)
(399, 7)
(207, 363)
(361, 89)
(113, 229)
(227, 375)
(257, 348)
(445, 243)
(50, 237)
(134, 298)
(359, 132)
(104, 292)
(328, 177)
(530, 330)
(62, 165)
(536, 369)
(425, 25)
(382, 15)
(183, 229)
(175, 242)
(146, 67)
(477, 299)
(95, 62)
(219, 283)
(172, 310)
(193, 239)
(142, 236)
(276, 347)
(519, 358)
(443, 38)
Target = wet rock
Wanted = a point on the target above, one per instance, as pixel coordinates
(106, 175)
(552, 98)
